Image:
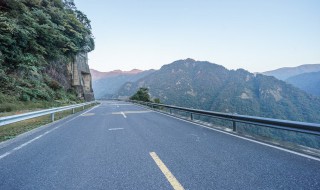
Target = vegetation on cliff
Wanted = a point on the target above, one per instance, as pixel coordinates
(141, 95)
(38, 39)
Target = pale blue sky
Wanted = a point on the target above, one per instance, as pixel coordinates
(257, 35)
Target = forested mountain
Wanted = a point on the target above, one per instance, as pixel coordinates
(39, 41)
(287, 72)
(106, 84)
(203, 85)
(305, 77)
(309, 82)
(97, 75)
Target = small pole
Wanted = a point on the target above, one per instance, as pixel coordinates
(191, 116)
(52, 117)
(82, 107)
(72, 110)
(170, 111)
(234, 126)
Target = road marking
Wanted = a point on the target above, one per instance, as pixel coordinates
(244, 138)
(114, 104)
(147, 111)
(4, 155)
(114, 129)
(124, 115)
(87, 114)
(25, 144)
(170, 177)
(197, 137)
(130, 112)
(38, 137)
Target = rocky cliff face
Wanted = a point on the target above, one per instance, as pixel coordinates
(81, 79)
(73, 75)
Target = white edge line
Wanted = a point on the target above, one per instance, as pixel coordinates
(38, 137)
(255, 141)
(4, 155)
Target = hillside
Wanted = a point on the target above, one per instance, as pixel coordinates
(309, 82)
(43, 53)
(304, 77)
(287, 72)
(106, 84)
(97, 75)
(203, 85)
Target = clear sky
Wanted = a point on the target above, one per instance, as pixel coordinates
(257, 35)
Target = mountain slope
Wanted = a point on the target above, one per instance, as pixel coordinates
(309, 82)
(43, 44)
(208, 86)
(287, 72)
(106, 84)
(97, 75)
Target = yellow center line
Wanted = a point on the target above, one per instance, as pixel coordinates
(170, 177)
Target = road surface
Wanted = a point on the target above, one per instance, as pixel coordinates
(118, 145)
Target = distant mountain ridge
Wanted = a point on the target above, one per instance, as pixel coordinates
(309, 82)
(287, 72)
(304, 77)
(204, 85)
(96, 75)
(106, 84)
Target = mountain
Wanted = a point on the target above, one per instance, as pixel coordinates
(208, 86)
(106, 84)
(309, 82)
(96, 75)
(304, 77)
(287, 72)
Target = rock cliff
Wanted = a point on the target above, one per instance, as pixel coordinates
(81, 78)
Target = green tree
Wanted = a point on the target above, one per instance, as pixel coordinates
(141, 95)
(39, 37)
(157, 100)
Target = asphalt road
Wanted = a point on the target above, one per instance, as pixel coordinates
(112, 146)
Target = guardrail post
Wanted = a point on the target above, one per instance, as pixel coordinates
(234, 126)
(191, 116)
(82, 107)
(72, 110)
(52, 117)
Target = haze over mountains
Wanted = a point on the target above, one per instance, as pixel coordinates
(305, 77)
(106, 84)
(309, 82)
(100, 75)
(287, 72)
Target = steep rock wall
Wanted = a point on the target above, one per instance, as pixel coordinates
(81, 79)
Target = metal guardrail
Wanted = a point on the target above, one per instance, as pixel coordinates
(302, 127)
(16, 118)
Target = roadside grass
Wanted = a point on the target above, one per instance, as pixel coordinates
(12, 130)
(13, 108)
